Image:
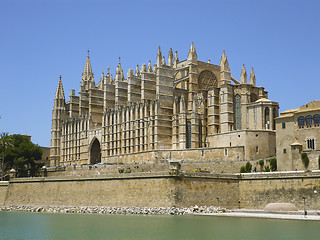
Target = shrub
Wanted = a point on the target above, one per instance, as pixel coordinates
(243, 169)
(273, 164)
(248, 167)
(305, 160)
(261, 163)
(267, 169)
(319, 162)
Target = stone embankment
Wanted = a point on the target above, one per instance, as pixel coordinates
(117, 210)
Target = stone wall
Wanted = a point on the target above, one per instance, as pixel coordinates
(133, 190)
(163, 190)
(257, 190)
(192, 190)
(3, 191)
(157, 156)
(212, 166)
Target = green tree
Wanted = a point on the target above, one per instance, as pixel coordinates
(21, 155)
(273, 164)
(305, 160)
(5, 142)
(248, 167)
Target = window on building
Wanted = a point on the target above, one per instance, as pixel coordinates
(226, 151)
(301, 121)
(200, 134)
(316, 119)
(284, 150)
(283, 125)
(310, 143)
(188, 134)
(237, 112)
(257, 149)
(267, 118)
(309, 120)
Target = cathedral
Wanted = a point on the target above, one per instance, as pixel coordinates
(186, 109)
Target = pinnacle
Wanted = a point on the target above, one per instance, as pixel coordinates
(60, 91)
(192, 52)
(159, 51)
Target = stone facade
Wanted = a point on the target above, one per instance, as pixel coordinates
(298, 130)
(173, 105)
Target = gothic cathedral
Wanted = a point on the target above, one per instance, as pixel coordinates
(175, 109)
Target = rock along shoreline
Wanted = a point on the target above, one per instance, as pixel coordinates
(116, 210)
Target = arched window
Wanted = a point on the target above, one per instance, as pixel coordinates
(309, 120)
(301, 121)
(207, 80)
(267, 118)
(316, 119)
(237, 112)
(188, 134)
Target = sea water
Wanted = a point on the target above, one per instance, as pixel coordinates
(20, 225)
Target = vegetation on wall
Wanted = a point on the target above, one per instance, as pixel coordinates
(261, 163)
(273, 164)
(247, 168)
(319, 162)
(305, 160)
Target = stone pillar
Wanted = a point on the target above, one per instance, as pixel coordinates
(146, 123)
(136, 127)
(194, 124)
(182, 124)
(226, 109)
(164, 107)
(132, 129)
(213, 111)
(175, 125)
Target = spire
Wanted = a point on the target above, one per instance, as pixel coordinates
(137, 73)
(101, 83)
(252, 78)
(176, 59)
(243, 75)
(60, 91)
(149, 67)
(87, 74)
(192, 53)
(159, 58)
(224, 64)
(59, 99)
(170, 58)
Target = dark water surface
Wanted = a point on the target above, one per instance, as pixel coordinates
(17, 225)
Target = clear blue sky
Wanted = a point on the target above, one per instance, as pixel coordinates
(39, 40)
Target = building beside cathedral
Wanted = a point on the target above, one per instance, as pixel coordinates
(298, 131)
(173, 110)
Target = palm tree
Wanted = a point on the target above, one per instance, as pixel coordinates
(5, 141)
